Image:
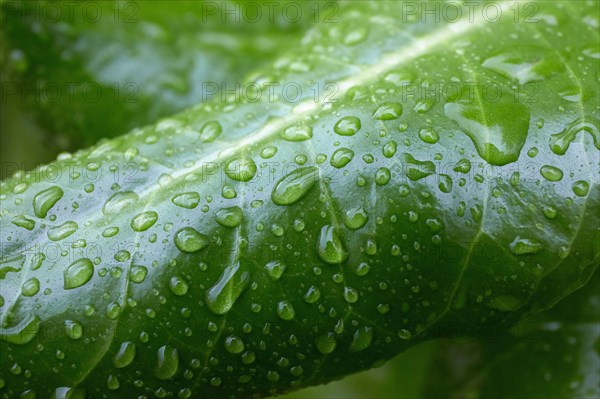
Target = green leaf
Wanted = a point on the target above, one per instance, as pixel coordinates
(554, 354)
(255, 247)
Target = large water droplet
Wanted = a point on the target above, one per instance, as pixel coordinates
(234, 344)
(119, 201)
(241, 169)
(124, 355)
(58, 233)
(347, 126)
(275, 269)
(167, 362)
(23, 332)
(137, 274)
(361, 339)
(551, 173)
(45, 200)
(23, 221)
(297, 133)
(230, 217)
(356, 218)
(189, 240)
(330, 247)
(178, 286)
(78, 273)
(341, 157)
(581, 188)
(429, 135)
(326, 343)
(210, 131)
(525, 63)
(312, 295)
(188, 200)
(285, 310)
(73, 329)
(497, 139)
(221, 296)
(415, 169)
(294, 186)
(388, 111)
(144, 221)
(30, 287)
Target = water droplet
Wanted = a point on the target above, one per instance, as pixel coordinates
(415, 169)
(356, 218)
(234, 344)
(297, 133)
(37, 260)
(268, 152)
(559, 143)
(326, 343)
(382, 176)
(112, 383)
(144, 221)
(189, 240)
(532, 152)
(78, 273)
(551, 173)
(429, 135)
(45, 200)
(119, 201)
(178, 286)
(347, 126)
(341, 157)
(356, 35)
(445, 184)
(404, 334)
(350, 295)
(330, 247)
(137, 274)
(188, 200)
(293, 187)
(210, 131)
(388, 111)
(497, 139)
(285, 310)
(312, 295)
(110, 232)
(581, 188)
(30, 287)
(463, 166)
(167, 362)
(73, 329)
(389, 149)
(361, 339)
(113, 310)
(125, 355)
(275, 269)
(525, 63)
(227, 192)
(24, 222)
(505, 303)
(23, 332)
(241, 169)
(223, 294)
(522, 246)
(230, 217)
(58, 233)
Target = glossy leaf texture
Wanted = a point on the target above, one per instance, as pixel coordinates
(247, 248)
(91, 71)
(554, 354)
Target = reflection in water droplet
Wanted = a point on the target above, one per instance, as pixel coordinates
(125, 355)
(229, 217)
(188, 200)
(78, 273)
(551, 173)
(415, 169)
(297, 133)
(347, 126)
(23, 332)
(581, 188)
(330, 247)
(241, 169)
(293, 187)
(285, 310)
(326, 343)
(119, 201)
(356, 218)
(341, 157)
(144, 221)
(388, 111)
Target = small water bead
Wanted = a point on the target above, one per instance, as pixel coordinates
(550, 212)
(45, 200)
(189, 240)
(388, 111)
(389, 149)
(178, 286)
(285, 310)
(330, 247)
(78, 273)
(326, 343)
(347, 126)
(277, 230)
(312, 295)
(30, 287)
(341, 157)
(73, 329)
(371, 247)
(383, 308)
(275, 269)
(230, 217)
(297, 133)
(294, 186)
(23, 221)
(532, 152)
(551, 173)
(356, 218)
(241, 169)
(581, 188)
(234, 344)
(429, 135)
(187, 200)
(167, 362)
(144, 221)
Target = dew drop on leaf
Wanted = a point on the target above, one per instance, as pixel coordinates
(347, 126)
(167, 362)
(388, 111)
(223, 294)
(551, 173)
(285, 310)
(241, 169)
(229, 217)
(234, 344)
(119, 201)
(125, 355)
(144, 221)
(188, 200)
(189, 240)
(341, 157)
(45, 200)
(356, 218)
(326, 343)
(361, 339)
(293, 187)
(78, 273)
(297, 133)
(522, 246)
(330, 247)
(62, 231)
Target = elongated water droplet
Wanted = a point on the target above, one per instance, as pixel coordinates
(326, 343)
(347, 126)
(297, 133)
(119, 201)
(330, 247)
(388, 111)
(189, 240)
(58, 233)
(445, 184)
(221, 296)
(522, 246)
(415, 169)
(551, 173)
(144, 221)
(356, 218)
(188, 200)
(293, 187)
(268, 152)
(230, 217)
(78, 273)
(341, 157)
(241, 169)
(525, 63)
(23, 332)
(110, 232)
(37, 260)
(560, 142)
(24, 222)
(125, 355)
(45, 200)
(361, 339)
(167, 362)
